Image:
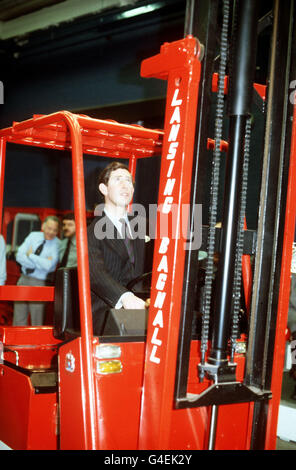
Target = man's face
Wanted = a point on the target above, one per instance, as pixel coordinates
(50, 229)
(119, 190)
(69, 228)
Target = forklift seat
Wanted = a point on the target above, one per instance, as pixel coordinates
(66, 320)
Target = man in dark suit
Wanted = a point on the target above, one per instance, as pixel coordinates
(116, 255)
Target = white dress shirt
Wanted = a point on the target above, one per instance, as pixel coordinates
(116, 221)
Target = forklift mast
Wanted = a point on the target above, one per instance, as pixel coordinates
(174, 289)
(198, 380)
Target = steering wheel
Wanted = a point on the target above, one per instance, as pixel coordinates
(143, 290)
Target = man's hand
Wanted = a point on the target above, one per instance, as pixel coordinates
(130, 301)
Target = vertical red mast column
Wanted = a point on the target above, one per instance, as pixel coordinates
(179, 64)
(2, 171)
(284, 295)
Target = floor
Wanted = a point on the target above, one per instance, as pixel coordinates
(287, 416)
(285, 445)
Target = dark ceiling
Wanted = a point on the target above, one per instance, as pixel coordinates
(11, 9)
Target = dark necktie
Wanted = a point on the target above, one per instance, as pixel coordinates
(127, 240)
(37, 252)
(64, 261)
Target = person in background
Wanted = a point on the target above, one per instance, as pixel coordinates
(38, 256)
(67, 252)
(2, 261)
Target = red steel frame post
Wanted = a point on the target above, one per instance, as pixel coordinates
(247, 276)
(90, 412)
(132, 166)
(179, 63)
(284, 295)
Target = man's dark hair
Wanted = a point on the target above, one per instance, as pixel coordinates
(69, 216)
(105, 174)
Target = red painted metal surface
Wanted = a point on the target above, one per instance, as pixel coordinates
(284, 294)
(260, 89)
(72, 408)
(119, 396)
(27, 293)
(23, 335)
(134, 408)
(28, 420)
(2, 170)
(79, 134)
(223, 145)
(103, 138)
(89, 402)
(247, 276)
(179, 64)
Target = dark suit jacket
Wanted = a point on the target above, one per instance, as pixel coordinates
(110, 268)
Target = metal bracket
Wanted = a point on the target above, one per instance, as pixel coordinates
(225, 389)
(223, 394)
(250, 237)
(218, 373)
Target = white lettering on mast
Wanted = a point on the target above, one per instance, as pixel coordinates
(166, 206)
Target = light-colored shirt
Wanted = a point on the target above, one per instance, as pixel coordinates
(42, 264)
(72, 256)
(2, 261)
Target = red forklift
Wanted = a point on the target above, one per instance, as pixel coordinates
(190, 376)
